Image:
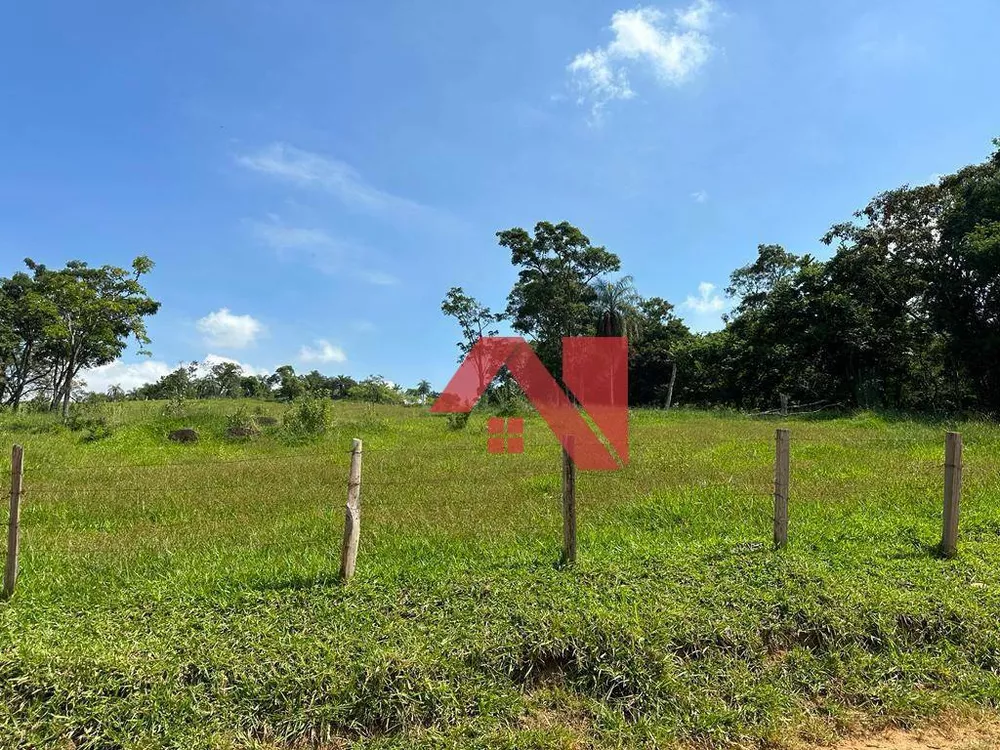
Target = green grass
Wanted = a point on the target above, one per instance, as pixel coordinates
(186, 595)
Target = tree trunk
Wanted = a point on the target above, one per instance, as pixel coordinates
(670, 388)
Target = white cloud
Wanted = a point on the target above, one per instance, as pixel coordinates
(308, 169)
(222, 328)
(324, 351)
(707, 301)
(126, 375)
(697, 16)
(700, 196)
(674, 48)
(134, 374)
(597, 79)
(205, 366)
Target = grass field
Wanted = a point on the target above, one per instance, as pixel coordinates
(186, 595)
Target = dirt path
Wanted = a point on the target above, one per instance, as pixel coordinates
(969, 737)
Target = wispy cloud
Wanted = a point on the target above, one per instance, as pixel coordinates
(224, 329)
(321, 250)
(307, 169)
(378, 277)
(323, 351)
(673, 46)
(707, 301)
(700, 196)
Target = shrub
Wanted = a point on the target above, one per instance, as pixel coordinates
(93, 421)
(176, 406)
(242, 424)
(458, 420)
(308, 417)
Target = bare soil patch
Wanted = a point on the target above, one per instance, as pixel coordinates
(978, 736)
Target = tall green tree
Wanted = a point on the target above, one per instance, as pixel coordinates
(27, 315)
(653, 353)
(553, 295)
(59, 322)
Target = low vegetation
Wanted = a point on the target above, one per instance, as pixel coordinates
(185, 595)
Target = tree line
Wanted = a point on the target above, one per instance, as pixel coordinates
(904, 314)
(228, 380)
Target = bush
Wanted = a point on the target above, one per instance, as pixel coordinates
(458, 420)
(242, 424)
(308, 417)
(176, 406)
(94, 421)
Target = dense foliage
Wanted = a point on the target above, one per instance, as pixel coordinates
(55, 323)
(904, 314)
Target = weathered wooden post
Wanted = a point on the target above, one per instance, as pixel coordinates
(352, 516)
(14, 525)
(568, 502)
(781, 477)
(952, 492)
(670, 387)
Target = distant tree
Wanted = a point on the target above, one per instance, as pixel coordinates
(653, 354)
(254, 386)
(340, 386)
(289, 385)
(424, 389)
(473, 318)
(228, 377)
(376, 389)
(616, 307)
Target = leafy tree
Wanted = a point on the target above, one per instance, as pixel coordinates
(58, 322)
(375, 389)
(228, 379)
(290, 386)
(653, 354)
(553, 296)
(26, 316)
(474, 319)
(254, 386)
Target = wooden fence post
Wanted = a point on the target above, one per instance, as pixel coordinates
(781, 472)
(952, 492)
(568, 503)
(14, 525)
(352, 516)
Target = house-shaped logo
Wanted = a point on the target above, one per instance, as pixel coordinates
(595, 372)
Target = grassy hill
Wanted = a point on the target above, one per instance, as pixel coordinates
(186, 595)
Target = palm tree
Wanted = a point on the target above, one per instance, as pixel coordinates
(616, 307)
(423, 390)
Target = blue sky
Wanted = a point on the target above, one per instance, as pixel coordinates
(311, 177)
